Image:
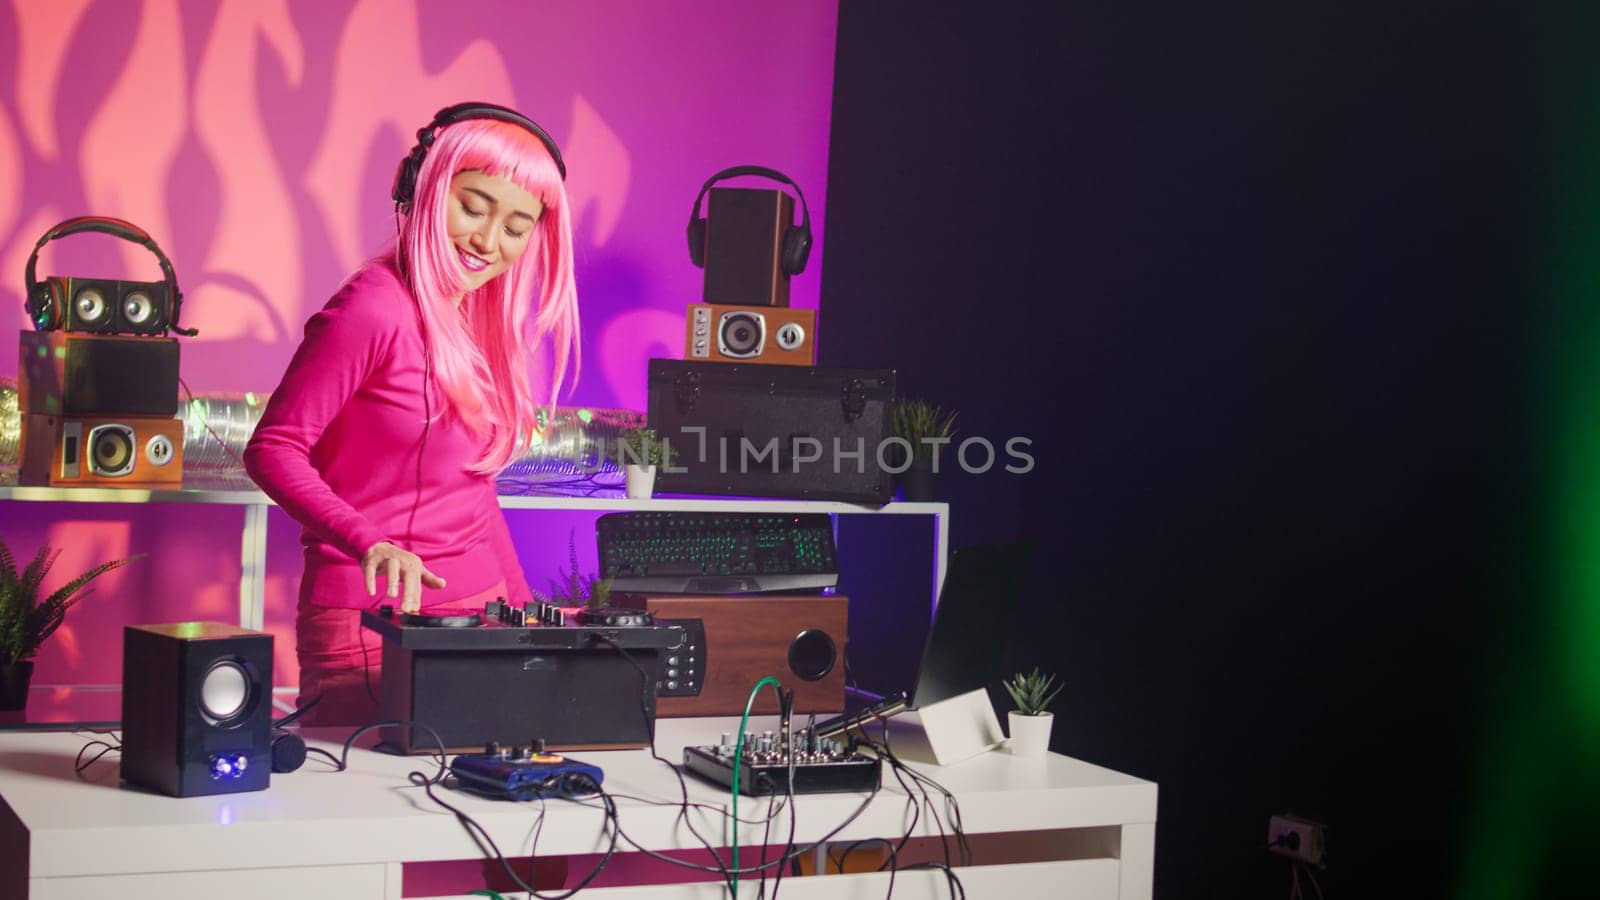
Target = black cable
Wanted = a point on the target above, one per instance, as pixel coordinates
(866, 801)
(481, 837)
(80, 765)
(342, 762)
(646, 693)
(321, 752)
(291, 717)
(952, 805)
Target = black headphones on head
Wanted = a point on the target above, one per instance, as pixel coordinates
(796, 238)
(138, 308)
(405, 178)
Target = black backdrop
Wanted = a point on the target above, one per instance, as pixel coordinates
(1255, 282)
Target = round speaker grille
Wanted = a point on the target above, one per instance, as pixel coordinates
(740, 334)
(224, 690)
(111, 450)
(91, 305)
(812, 654)
(138, 308)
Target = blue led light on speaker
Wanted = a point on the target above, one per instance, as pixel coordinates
(228, 766)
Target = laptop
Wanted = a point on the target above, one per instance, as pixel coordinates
(967, 639)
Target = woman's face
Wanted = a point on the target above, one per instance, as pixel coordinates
(491, 220)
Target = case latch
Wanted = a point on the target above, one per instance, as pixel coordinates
(853, 398)
(686, 390)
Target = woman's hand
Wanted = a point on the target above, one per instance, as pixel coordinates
(400, 568)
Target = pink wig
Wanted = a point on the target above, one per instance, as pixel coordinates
(480, 354)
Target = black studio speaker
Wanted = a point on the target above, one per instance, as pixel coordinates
(196, 708)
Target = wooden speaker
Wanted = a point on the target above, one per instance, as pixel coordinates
(798, 639)
(61, 373)
(756, 334)
(745, 230)
(101, 451)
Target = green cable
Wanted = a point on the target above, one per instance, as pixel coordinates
(738, 760)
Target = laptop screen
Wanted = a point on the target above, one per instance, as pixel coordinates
(973, 622)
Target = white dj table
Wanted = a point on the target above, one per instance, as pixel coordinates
(1051, 827)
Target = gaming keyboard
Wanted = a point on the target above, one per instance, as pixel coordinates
(716, 553)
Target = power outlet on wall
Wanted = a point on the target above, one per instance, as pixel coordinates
(1297, 838)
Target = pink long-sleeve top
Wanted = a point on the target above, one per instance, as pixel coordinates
(338, 448)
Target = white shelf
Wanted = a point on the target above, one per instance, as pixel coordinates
(230, 491)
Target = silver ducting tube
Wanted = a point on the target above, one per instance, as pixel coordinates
(218, 425)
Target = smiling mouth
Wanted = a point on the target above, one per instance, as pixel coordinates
(472, 263)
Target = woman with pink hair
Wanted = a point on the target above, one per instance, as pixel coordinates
(410, 392)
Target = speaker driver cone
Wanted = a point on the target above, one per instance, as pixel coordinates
(138, 308)
(90, 306)
(224, 691)
(111, 450)
(740, 334)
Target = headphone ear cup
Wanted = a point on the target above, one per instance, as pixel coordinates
(796, 249)
(405, 177)
(697, 242)
(46, 303)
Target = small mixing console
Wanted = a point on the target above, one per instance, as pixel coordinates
(820, 765)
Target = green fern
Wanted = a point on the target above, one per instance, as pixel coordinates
(25, 620)
(572, 587)
(1032, 692)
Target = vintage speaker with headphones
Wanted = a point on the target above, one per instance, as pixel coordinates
(196, 708)
(799, 639)
(757, 334)
(103, 305)
(807, 432)
(747, 241)
(72, 374)
(404, 188)
(101, 451)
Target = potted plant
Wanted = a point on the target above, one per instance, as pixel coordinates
(924, 426)
(1031, 721)
(574, 588)
(26, 620)
(639, 451)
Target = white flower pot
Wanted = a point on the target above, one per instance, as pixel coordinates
(641, 481)
(1030, 735)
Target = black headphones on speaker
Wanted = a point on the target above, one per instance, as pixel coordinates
(137, 307)
(405, 178)
(796, 238)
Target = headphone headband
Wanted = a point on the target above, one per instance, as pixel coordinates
(117, 228)
(763, 171)
(405, 178)
(795, 240)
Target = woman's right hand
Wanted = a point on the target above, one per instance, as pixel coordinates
(402, 569)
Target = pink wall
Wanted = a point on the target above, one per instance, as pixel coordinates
(256, 139)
